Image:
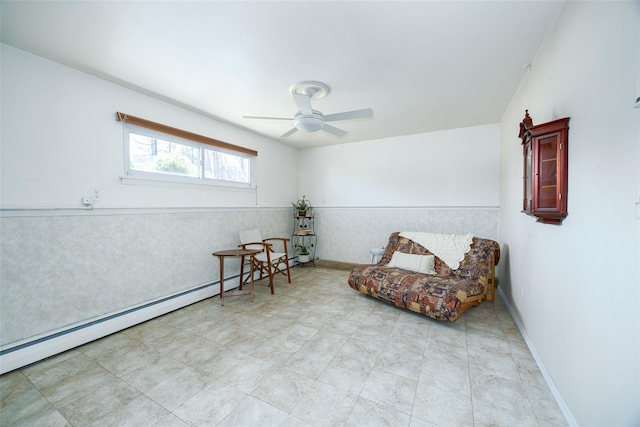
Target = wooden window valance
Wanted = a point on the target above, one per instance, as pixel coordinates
(159, 127)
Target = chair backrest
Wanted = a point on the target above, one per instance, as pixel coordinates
(251, 236)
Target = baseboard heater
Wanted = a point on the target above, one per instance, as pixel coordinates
(23, 353)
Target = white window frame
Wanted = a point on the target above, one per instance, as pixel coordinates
(171, 178)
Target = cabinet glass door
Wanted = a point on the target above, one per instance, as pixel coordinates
(528, 181)
(548, 172)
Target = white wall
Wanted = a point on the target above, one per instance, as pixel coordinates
(450, 168)
(576, 287)
(61, 139)
(442, 182)
(63, 266)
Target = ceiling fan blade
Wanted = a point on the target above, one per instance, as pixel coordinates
(355, 114)
(304, 103)
(292, 131)
(334, 130)
(267, 118)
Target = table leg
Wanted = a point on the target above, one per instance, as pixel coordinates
(241, 271)
(251, 260)
(221, 280)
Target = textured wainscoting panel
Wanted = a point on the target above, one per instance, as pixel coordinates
(59, 271)
(347, 234)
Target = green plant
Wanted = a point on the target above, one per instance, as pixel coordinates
(302, 205)
(302, 250)
(173, 164)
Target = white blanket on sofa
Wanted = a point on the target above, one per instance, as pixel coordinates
(450, 248)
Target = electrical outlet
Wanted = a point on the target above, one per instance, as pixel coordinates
(95, 193)
(87, 201)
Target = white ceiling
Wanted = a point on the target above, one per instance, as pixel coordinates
(422, 66)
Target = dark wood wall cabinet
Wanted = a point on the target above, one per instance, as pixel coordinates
(545, 149)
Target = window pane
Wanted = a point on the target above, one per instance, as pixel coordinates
(226, 167)
(155, 155)
(150, 154)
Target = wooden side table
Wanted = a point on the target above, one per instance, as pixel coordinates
(235, 253)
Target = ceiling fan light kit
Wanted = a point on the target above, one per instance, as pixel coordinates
(306, 123)
(310, 120)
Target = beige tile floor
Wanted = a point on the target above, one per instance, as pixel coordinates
(317, 353)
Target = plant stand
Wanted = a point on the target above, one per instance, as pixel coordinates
(304, 235)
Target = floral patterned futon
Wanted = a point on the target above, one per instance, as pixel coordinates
(444, 296)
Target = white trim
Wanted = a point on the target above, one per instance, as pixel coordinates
(545, 374)
(433, 208)
(61, 211)
(19, 354)
(162, 180)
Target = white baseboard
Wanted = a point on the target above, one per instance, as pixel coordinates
(547, 377)
(22, 353)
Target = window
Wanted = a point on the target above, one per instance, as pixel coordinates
(157, 155)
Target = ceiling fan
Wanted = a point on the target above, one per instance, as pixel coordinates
(310, 120)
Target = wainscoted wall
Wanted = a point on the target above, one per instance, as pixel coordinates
(347, 234)
(70, 275)
(440, 182)
(63, 270)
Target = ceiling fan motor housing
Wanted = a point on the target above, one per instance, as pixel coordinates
(308, 123)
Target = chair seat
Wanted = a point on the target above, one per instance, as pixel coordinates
(262, 257)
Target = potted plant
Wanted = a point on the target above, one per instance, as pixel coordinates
(303, 254)
(302, 206)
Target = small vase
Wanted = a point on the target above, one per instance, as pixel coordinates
(302, 213)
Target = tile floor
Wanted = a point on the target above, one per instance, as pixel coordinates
(317, 353)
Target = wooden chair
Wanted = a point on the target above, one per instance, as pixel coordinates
(268, 261)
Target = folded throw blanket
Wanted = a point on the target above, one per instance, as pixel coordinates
(450, 248)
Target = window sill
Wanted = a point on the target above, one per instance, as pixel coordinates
(159, 182)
